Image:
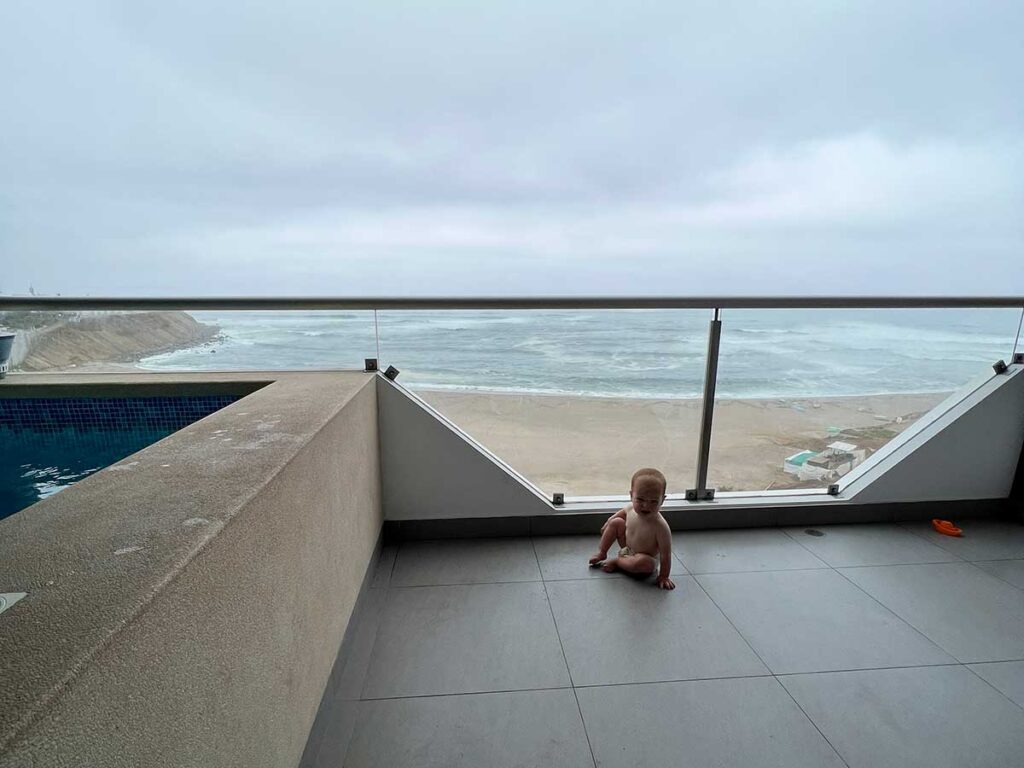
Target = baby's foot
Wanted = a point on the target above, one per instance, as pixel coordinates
(610, 565)
(597, 559)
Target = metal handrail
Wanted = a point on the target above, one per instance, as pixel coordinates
(71, 303)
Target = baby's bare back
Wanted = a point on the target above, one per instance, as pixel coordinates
(642, 532)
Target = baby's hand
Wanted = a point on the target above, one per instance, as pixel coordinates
(664, 582)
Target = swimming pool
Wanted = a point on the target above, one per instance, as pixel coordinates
(47, 444)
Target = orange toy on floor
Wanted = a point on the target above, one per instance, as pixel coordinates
(946, 527)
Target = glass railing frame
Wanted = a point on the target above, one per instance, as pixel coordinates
(700, 492)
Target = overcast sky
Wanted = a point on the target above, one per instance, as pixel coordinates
(484, 147)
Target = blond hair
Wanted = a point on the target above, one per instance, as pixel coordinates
(649, 473)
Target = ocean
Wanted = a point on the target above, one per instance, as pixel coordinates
(623, 353)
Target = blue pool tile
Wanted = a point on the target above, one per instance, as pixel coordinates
(48, 443)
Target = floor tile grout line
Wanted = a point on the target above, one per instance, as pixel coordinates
(833, 567)
(892, 565)
(467, 693)
(771, 671)
(766, 675)
(799, 543)
(993, 575)
(885, 607)
(373, 653)
(565, 659)
(731, 624)
(956, 557)
(387, 597)
(762, 570)
(369, 662)
(465, 584)
(901, 618)
(676, 554)
(903, 524)
(679, 563)
(877, 565)
(675, 681)
(806, 549)
(825, 564)
(394, 563)
(784, 674)
(870, 669)
(376, 636)
(679, 559)
(811, 721)
(990, 685)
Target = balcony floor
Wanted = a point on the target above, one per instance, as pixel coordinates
(873, 645)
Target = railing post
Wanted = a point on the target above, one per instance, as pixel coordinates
(702, 492)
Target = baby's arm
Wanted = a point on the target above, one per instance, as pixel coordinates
(664, 535)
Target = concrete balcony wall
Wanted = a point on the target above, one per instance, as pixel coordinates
(434, 471)
(968, 451)
(211, 643)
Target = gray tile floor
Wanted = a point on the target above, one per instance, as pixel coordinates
(873, 645)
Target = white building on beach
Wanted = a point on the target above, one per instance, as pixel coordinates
(836, 460)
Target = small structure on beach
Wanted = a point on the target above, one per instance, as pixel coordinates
(836, 460)
(793, 464)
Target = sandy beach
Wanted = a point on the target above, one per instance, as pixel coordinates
(590, 446)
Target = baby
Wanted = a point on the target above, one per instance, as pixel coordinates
(640, 530)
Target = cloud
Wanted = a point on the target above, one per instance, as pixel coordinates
(850, 183)
(861, 179)
(190, 147)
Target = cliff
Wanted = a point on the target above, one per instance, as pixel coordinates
(106, 338)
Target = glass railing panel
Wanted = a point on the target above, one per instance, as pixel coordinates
(805, 396)
(573, 400)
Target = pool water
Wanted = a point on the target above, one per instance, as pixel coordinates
(36, 465)
(47, 444)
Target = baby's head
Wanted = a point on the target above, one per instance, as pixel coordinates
(647, 490)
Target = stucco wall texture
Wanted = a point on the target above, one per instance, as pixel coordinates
(222, 659)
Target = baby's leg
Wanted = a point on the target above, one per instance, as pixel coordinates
(614, 530)
(640, 564)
